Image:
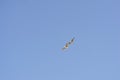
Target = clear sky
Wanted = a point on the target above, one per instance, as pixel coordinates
(32, 33)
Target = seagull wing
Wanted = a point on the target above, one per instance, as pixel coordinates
(72, 40)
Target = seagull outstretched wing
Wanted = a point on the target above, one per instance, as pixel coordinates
(72, 40)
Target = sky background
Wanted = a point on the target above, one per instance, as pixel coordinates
(32, 33)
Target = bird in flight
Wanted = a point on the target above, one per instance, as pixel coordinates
(68, 43)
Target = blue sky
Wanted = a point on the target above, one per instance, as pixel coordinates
(34, 31)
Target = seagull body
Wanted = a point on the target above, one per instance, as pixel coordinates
(65, 47)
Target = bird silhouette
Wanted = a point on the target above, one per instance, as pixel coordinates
(68, 43)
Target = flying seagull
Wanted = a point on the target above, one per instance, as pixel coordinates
(68, 43)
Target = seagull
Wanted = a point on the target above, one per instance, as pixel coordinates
(68, 43)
